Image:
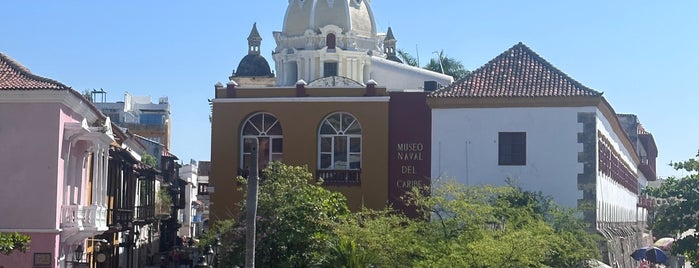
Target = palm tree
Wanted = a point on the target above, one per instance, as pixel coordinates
(407, 58)
(446, 65)
(449, 66)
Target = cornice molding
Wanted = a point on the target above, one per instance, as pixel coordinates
(503, 102)
(64, 97)
(305, 99)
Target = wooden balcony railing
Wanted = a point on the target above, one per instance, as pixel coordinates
(145, 213)
(119, 216)
(340, 177)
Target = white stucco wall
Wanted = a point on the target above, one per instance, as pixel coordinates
(397, 76)
(465, 148)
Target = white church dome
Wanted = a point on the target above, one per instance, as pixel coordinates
(352, 16)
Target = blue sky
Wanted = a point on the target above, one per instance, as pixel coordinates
(644, 55)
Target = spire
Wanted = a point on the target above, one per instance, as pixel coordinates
(254, 41)
(389, 46)
(389, 34)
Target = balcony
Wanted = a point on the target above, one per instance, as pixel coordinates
(340, 177)
(645, 202)
(145, 213)
(120, 216)
(79, 222)
(79, 216)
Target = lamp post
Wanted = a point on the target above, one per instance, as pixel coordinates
(201, 263)
(209, 254)
(216, 246)
(204, 260)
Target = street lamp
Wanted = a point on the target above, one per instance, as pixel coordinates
(209, 253)
(217, 246)
(201, 263)
(78, 253)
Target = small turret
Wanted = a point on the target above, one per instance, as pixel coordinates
(254, 41)
(389, 46)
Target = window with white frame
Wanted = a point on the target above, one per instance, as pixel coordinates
(261, 130)
(340, 142)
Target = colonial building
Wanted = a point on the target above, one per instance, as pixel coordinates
(55, 156)
(520, 118)
(372, 128)
(337, 123)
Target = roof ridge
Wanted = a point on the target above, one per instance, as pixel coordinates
(516, 72)
(24, 71)
(548, 64)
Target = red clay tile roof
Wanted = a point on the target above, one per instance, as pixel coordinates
(517, 72)
(14, 75)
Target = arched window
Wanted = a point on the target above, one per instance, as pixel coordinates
(330, 41)
(340, 143)
(264, 131)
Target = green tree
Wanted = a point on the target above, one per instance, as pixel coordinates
(407, 58)
(447, 65)
(388, 239)
(294, 220)
(10, 242)
(149, 160)
(679, 213)
(469, 226)
(164, 201)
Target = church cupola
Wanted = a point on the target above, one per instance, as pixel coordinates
(326, 38)
(389, 46)
(253, 64)
(254, 41)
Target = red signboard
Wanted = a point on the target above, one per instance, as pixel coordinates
(410, 126)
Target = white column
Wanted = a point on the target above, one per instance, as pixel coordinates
(339, 65)
(307, 69)
(354, 70)
(71, 180)
(105, 174)
(312, 63)
(298, 71)
(66, 176)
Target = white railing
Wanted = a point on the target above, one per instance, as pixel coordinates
(79, 216)
(72, 216)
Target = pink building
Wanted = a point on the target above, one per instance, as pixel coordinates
(54, 147)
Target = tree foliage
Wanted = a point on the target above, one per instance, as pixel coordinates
(679, 212)
(467, 226)
(449, 66)
(294, 219)
(301, 225)
(149, 160)
(407, 58)
(10, 242)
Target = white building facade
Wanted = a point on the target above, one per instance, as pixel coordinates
(519, 118)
